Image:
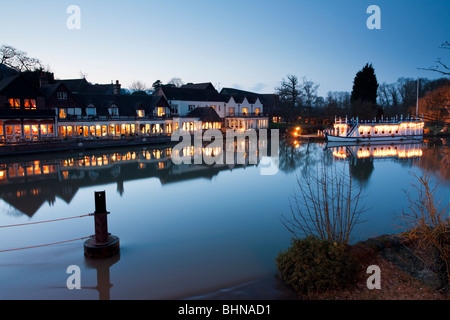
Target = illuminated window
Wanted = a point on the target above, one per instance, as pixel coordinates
(244, 111)
(257, 111)
(43, 129)
(140, 113)
(30, 104)
(161, 112)
(62, 113)
(34, 129)
(14, 103)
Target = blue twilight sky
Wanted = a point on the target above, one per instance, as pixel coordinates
(247, 44)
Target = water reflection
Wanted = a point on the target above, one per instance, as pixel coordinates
(432, 155)
(102, 266)
(28, 182)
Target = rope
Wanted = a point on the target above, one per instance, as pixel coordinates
(26, 224)
(43, 245)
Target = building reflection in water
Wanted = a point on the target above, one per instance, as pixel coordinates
(28, 182)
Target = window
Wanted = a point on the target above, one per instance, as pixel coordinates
(61, 95)
(161, 111)
(62, 113)
(30, 104)
(14, 103)
(231, 111)
(113, 111)
(244, 111)
(140, 113)
(191, 107)
(257, 111)
(91, 111)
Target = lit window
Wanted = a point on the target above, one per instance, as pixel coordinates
(161, 112)
(244, 111)
(140, 113)
(14, 103)
(62, 113)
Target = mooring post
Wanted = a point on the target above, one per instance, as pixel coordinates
(101, 218)
(102, 244)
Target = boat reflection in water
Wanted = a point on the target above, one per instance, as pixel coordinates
(400, 150)
(361, 157)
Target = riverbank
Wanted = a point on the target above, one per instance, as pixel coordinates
(404, 276)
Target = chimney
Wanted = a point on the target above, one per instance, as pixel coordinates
(45, 78)
(116, 88)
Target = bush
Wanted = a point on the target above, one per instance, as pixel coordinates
(315, 265)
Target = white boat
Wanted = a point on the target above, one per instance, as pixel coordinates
(393, 129)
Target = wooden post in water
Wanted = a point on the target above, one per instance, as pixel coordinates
(102, 244)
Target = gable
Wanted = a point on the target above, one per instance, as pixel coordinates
(18, 87)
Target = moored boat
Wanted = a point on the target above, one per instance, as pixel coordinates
(389, 129)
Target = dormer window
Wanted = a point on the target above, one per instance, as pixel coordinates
(14, 103)
(61, 95)
(91, 110)
(113, 111)
(140, 113)
(30, 104)
(161, 112)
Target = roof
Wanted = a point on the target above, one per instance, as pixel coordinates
(18, 86)
(205, 114)
(32, 114)
(83, 86)
(199, 86)
(266, 99)
(189, 94)
(128, 104)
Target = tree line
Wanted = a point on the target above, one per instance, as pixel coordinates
(299, 99)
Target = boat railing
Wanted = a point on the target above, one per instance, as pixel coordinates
(393, 120)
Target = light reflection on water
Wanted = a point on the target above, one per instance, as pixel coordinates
(184, 230)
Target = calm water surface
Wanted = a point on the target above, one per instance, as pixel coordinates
(184, 230)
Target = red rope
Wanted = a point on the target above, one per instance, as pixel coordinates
(26, 224)
(43, 245)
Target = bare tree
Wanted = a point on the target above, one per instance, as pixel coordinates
(18, 60)
(137, 85)
(440, 67)
(177, 82)
(289, 94)
(328, 205)
(309, 95)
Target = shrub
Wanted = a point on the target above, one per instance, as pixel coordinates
(315, 265)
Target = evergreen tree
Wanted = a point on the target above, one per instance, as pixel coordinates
(364, 94)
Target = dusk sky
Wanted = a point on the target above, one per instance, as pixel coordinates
(246, 44)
